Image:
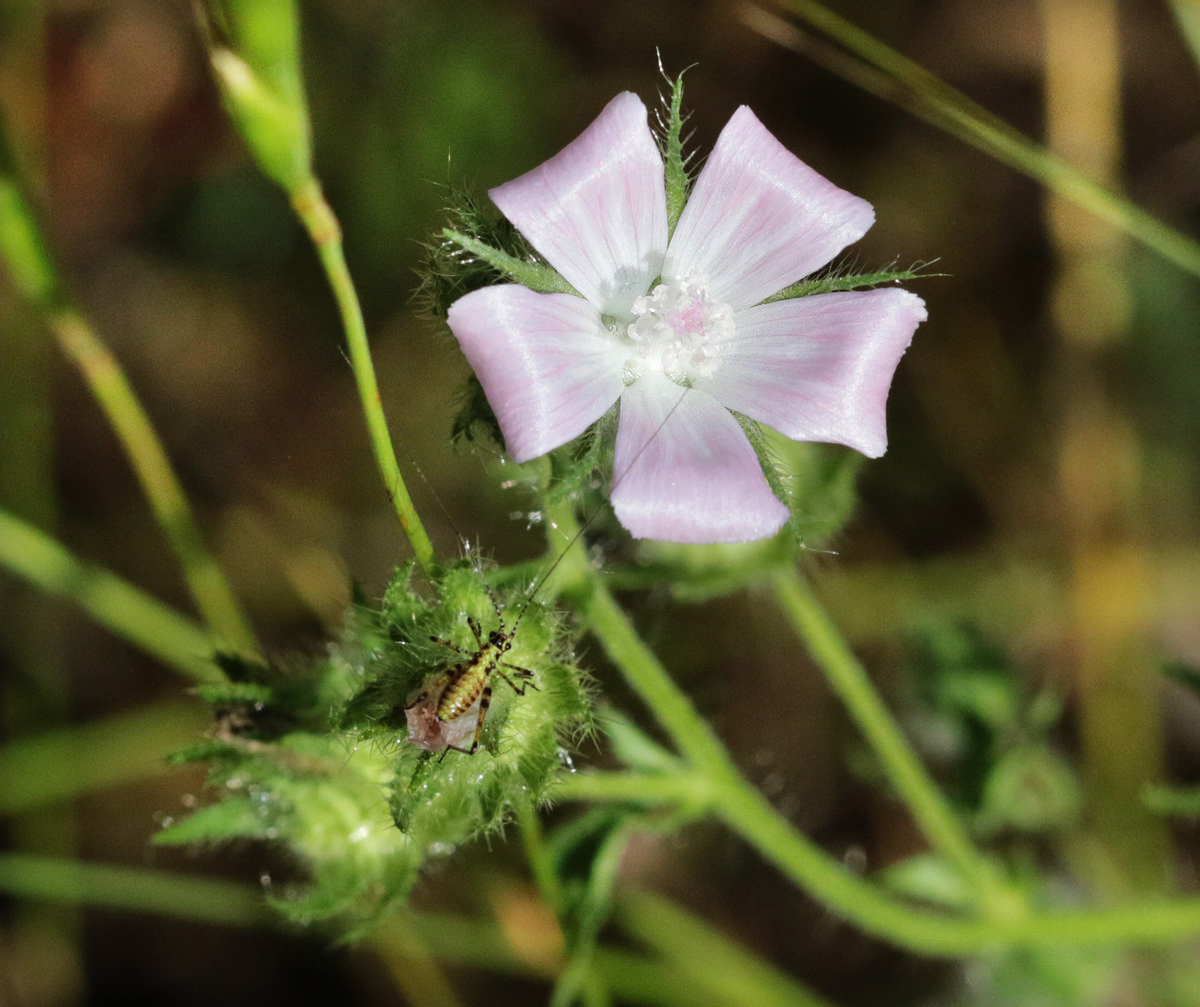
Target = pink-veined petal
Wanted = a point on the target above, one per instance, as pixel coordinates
(597, 210)
(548, 366)
(684, 470)
(819, 368)
(759, 218)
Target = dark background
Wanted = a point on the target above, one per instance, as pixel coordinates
(197, 275)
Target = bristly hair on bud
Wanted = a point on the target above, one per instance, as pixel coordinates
(326, 759)
(676, 161)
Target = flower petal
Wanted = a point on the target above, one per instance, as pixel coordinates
(818, 368)
(759, 218)
(597, 210)
(548, 366)
(684, 470)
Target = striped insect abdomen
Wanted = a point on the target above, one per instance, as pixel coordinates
(467, 682)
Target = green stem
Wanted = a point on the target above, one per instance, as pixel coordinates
(849, 680)
(322, 226)
(683, 790)
(733, 800)
(132, 425)
(886, 73)
(114, 603)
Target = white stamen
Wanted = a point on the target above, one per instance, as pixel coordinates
(678, 330)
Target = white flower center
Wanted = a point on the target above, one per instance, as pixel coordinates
(678, 330)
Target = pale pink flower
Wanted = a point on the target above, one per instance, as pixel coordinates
(676, 330)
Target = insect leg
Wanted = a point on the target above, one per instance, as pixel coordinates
(524, 674)
(453, 646)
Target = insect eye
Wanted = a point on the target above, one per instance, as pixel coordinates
(496, 638)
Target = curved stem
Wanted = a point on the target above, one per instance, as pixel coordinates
(746, 812)
(319, 220)
(914, 785)
(731, 798)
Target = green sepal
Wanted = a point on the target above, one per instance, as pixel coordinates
(837, 279)
(214, 823)
(675, 161)
(475, 418)
(275, 130)
(221, 693)
(534, 275)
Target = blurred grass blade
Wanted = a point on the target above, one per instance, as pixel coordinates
(23, 252)
(66, 763)
(1187, 13)
(731, 974)
(131, 888)
(114, 603)
(884, 72)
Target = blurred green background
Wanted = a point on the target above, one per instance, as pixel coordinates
(1040, 487)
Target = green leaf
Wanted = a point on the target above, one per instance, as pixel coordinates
(633, 747)
(927, 877)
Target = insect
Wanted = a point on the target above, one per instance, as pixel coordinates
(454, 707)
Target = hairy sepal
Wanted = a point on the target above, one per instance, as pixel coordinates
(842, 277)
